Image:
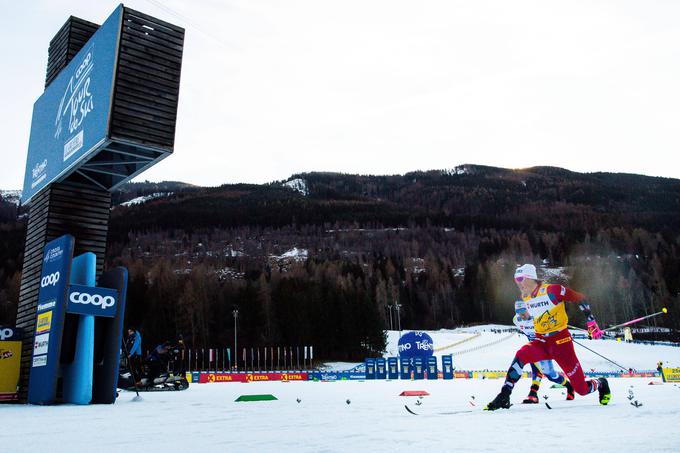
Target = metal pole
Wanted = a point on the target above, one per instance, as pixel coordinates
(398, 306)
(235, 313)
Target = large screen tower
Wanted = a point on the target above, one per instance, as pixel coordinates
(108, 113)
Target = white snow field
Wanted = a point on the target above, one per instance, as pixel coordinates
(206, 418)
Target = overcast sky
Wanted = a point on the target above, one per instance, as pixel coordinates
(272, 88)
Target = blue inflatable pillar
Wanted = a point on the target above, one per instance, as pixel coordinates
(447, 366)
(392, 368)
(380, 368)
(77, 376)
(370, 368)
(432, 372)
(418, 368)
(405, 365)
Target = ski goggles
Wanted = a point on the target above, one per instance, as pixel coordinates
(519, 279)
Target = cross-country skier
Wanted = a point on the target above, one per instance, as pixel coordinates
(545, 303)
(525, 324)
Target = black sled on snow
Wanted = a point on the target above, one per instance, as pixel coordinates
(163, 382)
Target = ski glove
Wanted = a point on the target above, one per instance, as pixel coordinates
(594, 330)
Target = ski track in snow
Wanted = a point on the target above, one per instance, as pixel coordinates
(206, 418)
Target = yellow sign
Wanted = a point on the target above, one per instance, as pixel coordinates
(44, 322)
(10, 358)
(671, 374)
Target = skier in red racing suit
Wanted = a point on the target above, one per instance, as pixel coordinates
(545, 303)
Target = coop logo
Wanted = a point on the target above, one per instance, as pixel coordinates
(50, 280)
(97, 300)
(6, 333)
(77, 101)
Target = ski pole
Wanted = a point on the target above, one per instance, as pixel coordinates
(597, 353)
(663, 311)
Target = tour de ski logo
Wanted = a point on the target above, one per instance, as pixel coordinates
(76, 103)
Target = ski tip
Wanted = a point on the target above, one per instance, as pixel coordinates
(409, 410)
(548, 406)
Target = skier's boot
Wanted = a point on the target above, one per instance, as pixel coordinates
(531, 399)
(603, 390)
(570, 391)
(502, 401)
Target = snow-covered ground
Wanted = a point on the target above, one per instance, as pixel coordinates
(206, 417)
(145, 198)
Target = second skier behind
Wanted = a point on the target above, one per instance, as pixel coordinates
(525, 324)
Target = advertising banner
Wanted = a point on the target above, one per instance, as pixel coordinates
(56, 268)
(418, 368)
(370, 368)
(447, 367)
(205, 378)
(671, 374)
(392, 368)
(71, 118)
(92, 300)
(10, 362)
(336, 376)
(380, 368)
(432, 373)
(405, 368)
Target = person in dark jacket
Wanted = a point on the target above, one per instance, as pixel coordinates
(133, 344)
(158, 360)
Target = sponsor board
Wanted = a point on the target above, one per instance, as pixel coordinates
(44, 322)
(10, 361)
(205, 378)
(671, 374)
(639, 374)
(92, 300)
(41, 344)
(49, 320)
(39, 361)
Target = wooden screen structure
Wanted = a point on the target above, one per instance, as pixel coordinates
(141, 132)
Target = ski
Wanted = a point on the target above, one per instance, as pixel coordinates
(464, 411)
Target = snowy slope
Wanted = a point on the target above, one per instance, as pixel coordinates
(500, 353)
(206, 418)
(11, 196)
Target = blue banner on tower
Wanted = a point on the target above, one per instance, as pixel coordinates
(71, 118)
(54, 281)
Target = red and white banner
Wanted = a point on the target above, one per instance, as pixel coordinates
(205, 378)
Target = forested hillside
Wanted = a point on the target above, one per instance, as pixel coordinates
(326, 252)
